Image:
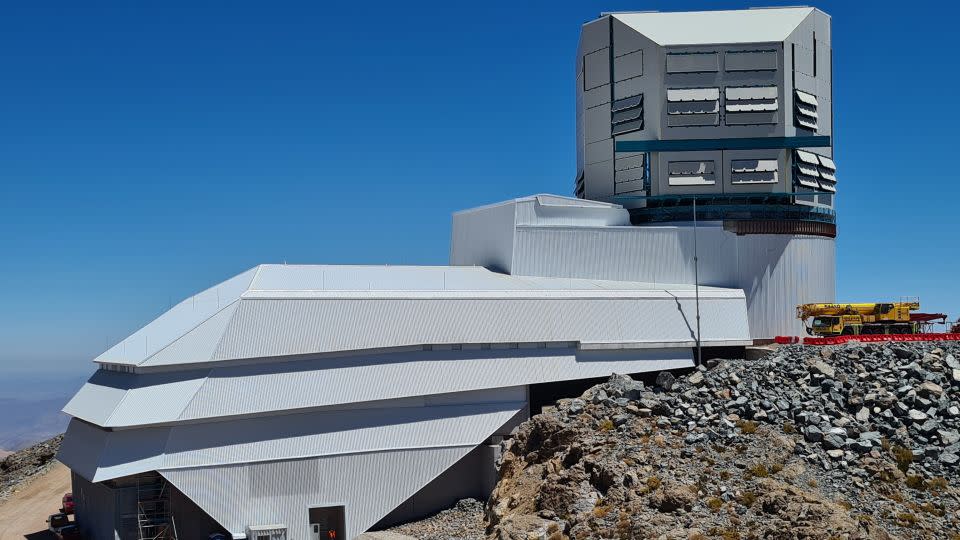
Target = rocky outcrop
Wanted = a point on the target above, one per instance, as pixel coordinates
(807, 442)
(21, 466)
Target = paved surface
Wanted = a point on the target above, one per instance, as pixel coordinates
(24, 514)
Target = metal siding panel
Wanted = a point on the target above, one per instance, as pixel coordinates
(750, 61)
(368, 485)
(628, 66)
(307, 435)
(335, 382)
(485, 235)
(596, 68)
(99, 397)
(693, 62)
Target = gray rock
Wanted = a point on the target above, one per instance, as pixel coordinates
(576, 406)
(666, 380)
(823, 368)
(952, 362)
(813, 434)
(916, 416)
(863, 414)
(695, 378)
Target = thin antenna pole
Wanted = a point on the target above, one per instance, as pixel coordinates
(696, 279)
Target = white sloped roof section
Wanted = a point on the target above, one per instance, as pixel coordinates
(286, 327)
(178, 321)
(99, 455)
(711, 27)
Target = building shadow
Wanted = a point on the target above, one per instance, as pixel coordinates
(40, 535)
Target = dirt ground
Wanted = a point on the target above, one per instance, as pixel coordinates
(24, 514)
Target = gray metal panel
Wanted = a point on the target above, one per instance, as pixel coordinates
(596, 68)
(596, 123)
(627, 40)
(368, 485)
(750, 60)
(686, 120)
(596, 96)
(693, 62)
(627, 88)
(751, 118)
(599, 151)
(97, 504)
(628, 66)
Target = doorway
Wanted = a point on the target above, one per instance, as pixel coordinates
(326, 523)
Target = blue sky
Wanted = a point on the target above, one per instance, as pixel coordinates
(151, 149)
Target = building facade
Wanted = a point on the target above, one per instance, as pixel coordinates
(731, 108)
(316, 402)
(335, 398)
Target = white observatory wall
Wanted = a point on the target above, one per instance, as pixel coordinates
(780, 272)
(368, 485)
(776, 272)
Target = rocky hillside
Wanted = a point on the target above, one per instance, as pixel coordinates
(820, 443)
(21, 466)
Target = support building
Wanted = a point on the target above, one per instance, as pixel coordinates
(306, 402)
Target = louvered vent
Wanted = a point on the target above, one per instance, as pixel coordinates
(805, 110)
(745, 105)
(693, 107)
(627, 115)
(814, 171)
(754, 171)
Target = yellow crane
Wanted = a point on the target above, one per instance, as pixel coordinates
(863, 318)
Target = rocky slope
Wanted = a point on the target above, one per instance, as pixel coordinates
(820, 443)
(28, 463)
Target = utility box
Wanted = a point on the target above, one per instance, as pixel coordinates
(267, 532)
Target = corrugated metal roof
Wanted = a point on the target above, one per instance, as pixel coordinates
(713, 27)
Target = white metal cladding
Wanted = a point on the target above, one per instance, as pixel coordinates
(253, 389)
(416, 378)
(296, 310)
(287, 327)
(664, 254)
(101, 455)
(179, 320)
(712, 27)
(368, 485)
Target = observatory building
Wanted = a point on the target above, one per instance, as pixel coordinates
(317, 402)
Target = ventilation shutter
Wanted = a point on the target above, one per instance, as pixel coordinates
(754, 171)
(691, 173)
(746, 105)
(626, 115)
(693, 107)
(805, 110)
(828, 174)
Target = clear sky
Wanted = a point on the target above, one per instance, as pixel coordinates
(149, 150)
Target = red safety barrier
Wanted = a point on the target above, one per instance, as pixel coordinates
(786, 340)
(875, 338)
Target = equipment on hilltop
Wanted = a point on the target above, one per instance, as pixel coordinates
(866, 318)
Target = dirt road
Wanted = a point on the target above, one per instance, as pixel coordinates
(24, 514)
